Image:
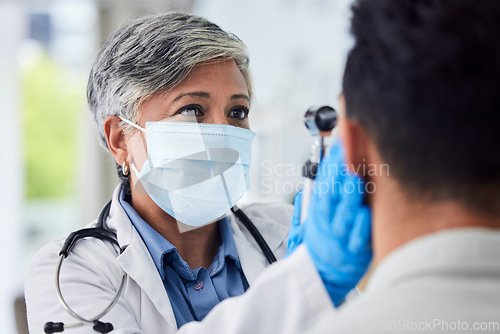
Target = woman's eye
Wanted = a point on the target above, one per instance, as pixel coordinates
(239, 113)
(191, 111)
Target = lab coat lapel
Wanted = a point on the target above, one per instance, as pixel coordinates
(137, 262)
(252, 260)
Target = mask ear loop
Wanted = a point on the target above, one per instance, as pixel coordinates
(140, 128)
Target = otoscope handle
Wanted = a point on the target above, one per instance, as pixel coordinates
(306, 198)
(309, 171)
(320, 122)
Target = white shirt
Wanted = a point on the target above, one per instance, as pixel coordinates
(446, 282)
(433, 284)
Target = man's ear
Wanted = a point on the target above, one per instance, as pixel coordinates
(115, 139)
(354, 140)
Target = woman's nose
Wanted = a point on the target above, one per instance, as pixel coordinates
(218, 117)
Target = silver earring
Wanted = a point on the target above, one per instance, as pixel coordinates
(124, 169)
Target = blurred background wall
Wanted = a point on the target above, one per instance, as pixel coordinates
(55, 177)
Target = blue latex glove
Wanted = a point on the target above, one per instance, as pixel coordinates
(296, 232)
(337, 230)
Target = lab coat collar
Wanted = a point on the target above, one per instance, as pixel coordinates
(136, 253)
(252, 260)
(448, 252)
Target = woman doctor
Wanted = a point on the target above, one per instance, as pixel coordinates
(170, 95)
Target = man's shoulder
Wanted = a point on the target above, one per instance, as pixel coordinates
(419, 305)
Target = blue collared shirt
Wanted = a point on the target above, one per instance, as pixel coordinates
(192, 292)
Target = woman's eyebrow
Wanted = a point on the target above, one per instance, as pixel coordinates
(240, 96)
(207, 96)
(195, 94)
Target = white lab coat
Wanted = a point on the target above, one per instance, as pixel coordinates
(91, 274)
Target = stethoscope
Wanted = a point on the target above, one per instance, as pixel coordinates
(101, 233)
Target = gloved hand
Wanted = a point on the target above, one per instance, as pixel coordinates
(296, 232)
(337, 230)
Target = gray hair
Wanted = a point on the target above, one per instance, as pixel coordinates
(153, 54)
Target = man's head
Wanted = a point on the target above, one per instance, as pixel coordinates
(423, 82)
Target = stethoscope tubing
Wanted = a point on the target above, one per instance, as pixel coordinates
(72, 312)
(101, 233)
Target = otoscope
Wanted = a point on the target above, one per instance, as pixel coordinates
(320, 123)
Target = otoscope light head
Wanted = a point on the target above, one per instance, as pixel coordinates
(326, 118)
(321, 119)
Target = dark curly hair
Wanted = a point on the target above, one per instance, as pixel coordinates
(423, 79)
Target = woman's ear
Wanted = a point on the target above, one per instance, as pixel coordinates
(115, 139)
(354, 140)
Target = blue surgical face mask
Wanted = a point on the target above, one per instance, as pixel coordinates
(195, 172)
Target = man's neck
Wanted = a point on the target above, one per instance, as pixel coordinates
(398, 219)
